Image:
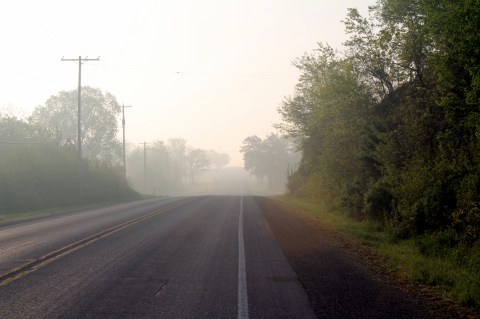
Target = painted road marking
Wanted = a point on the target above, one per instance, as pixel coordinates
(242, 275)
(80, 213)
(41, 262)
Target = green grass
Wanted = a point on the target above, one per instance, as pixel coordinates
(428, 260)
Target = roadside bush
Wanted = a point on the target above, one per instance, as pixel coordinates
(436, 244)
(353, 199)
(319, 189)
(105, 181)
(44, 176)
(466, 223)
(379, 202)
(295, 182)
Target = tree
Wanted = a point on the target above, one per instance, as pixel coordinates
(218, 160)
(169, 166)
(178, 154)
(198, 162)
(374, 53)
(391, 127)
(159, 164)
(15, 131)
(37, 173)
(269, 159)
(99, 121)
(326, 116)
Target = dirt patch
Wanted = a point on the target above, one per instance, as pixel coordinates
(345, 279)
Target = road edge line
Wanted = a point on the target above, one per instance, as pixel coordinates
(40, 262)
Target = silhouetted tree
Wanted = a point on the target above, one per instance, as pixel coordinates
(99, 121)
(218, 160)
(198, 162)
(269, 160)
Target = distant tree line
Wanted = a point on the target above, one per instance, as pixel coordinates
(390, 128)
(169, 168)
(39, 161)
(270, 160)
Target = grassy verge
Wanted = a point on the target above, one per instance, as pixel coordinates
(428, 260)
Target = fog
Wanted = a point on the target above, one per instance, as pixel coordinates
(211, 73)
(226, 181)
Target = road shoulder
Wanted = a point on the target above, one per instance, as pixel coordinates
(346, 279)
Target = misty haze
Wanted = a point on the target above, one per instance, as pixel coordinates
(240, 159)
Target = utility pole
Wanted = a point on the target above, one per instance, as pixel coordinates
(123, 124)
(79, 116)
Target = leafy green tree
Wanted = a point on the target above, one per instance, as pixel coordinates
(426, 130)
(99, 121)
(328, 128)
(15, 131)
(454, 27)
(37, 172)
(390, 127)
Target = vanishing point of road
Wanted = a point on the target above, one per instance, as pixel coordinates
(186, 257)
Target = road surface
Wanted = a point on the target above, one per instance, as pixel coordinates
(192, 257)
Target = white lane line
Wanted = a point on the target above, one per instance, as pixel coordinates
(242, 275)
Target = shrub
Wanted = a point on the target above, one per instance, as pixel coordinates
(379, 202)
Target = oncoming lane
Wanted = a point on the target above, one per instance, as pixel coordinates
(26, 242)
(184, 263)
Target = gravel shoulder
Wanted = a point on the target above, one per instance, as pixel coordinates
(345, 279)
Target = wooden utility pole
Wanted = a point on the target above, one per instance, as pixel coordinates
(79, 116)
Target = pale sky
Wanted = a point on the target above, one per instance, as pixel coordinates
(210, 71)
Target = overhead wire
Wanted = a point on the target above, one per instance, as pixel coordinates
(162, 70)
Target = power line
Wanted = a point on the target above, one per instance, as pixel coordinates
(160, 70)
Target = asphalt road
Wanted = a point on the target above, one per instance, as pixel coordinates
(199, 257)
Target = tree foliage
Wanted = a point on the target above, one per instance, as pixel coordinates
(169, 166)
(218, 160)
(198, 162)
(37, 173)
(390, 128)
(269, 159)
(59, 115)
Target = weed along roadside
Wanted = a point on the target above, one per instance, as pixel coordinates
(446, 274)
